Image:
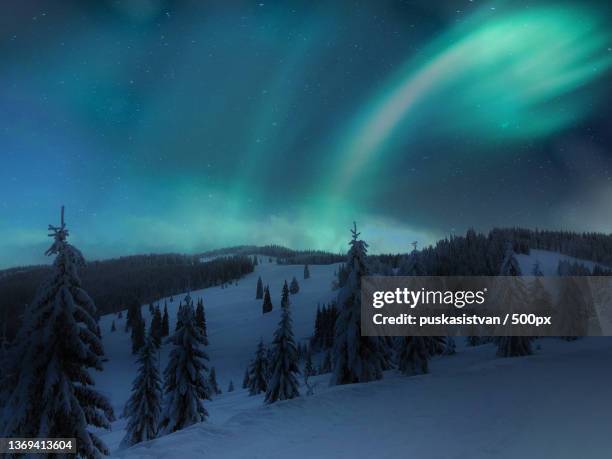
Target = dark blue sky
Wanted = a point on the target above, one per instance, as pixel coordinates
(183, 126)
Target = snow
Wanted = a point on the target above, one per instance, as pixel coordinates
(235, 325)
(553, 404)
(473, 404)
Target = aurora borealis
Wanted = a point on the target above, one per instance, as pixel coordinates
(186, 126)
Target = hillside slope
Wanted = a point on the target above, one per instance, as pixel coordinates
(472, 404)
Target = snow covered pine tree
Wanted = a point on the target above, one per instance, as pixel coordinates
(413, 355)
(51, 357)
(356, 358)
(212, 382)
(283, 366)
(267, 301)
(257, 372)
(201, 320)
(259, 291)
(185, 385)
(144, 406)
(512, 295)
(285, 296)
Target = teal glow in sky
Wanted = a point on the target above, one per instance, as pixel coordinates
(516, 75)
(184, 127)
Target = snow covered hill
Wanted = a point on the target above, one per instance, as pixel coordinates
(555, 403)
(235, 325)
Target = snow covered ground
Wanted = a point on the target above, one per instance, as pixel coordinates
(235, 325)
(555, 404)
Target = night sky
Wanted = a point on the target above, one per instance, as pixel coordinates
(186, 126)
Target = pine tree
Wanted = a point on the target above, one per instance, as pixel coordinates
(450, 347)
(512, 295)
(230, 388)
(436, 345)
(540, 298)
(326, 365)
(258, 371)
(267, 301)
(143, 409)
(285, 296)
(413, 355)
(212, 382)
(51, 388)
(245, 379)
(306, 272)
(308, 366)
(165, 322)
(259, 292)
(283, 384)
(178, 317)
(155, 330)
(294, 287)
(185, 384)
(201, 320)
(356, 358)
(138, 335)
(572, 307)
(134, 314)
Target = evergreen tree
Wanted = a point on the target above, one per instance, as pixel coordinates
(285, 296)
(308, 366)
(473, 340)
(212, 382)
(185, 384)
(572, 307)
(259, 292)
(436, 345)
(283, 384)
(155, 330)
(356, 358)
(245, 379)
(294, 287)
(512, 295)
(178, 317)
(258, 371)
(540, 298)
(413, 355)
(450, 347)
(51, 393)
(326, 365)
(230, 388)
(201, 320)
(306, 272)
(134, 314)
(267, 301)
(138, 335)
(165, 322)
(143, 409)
